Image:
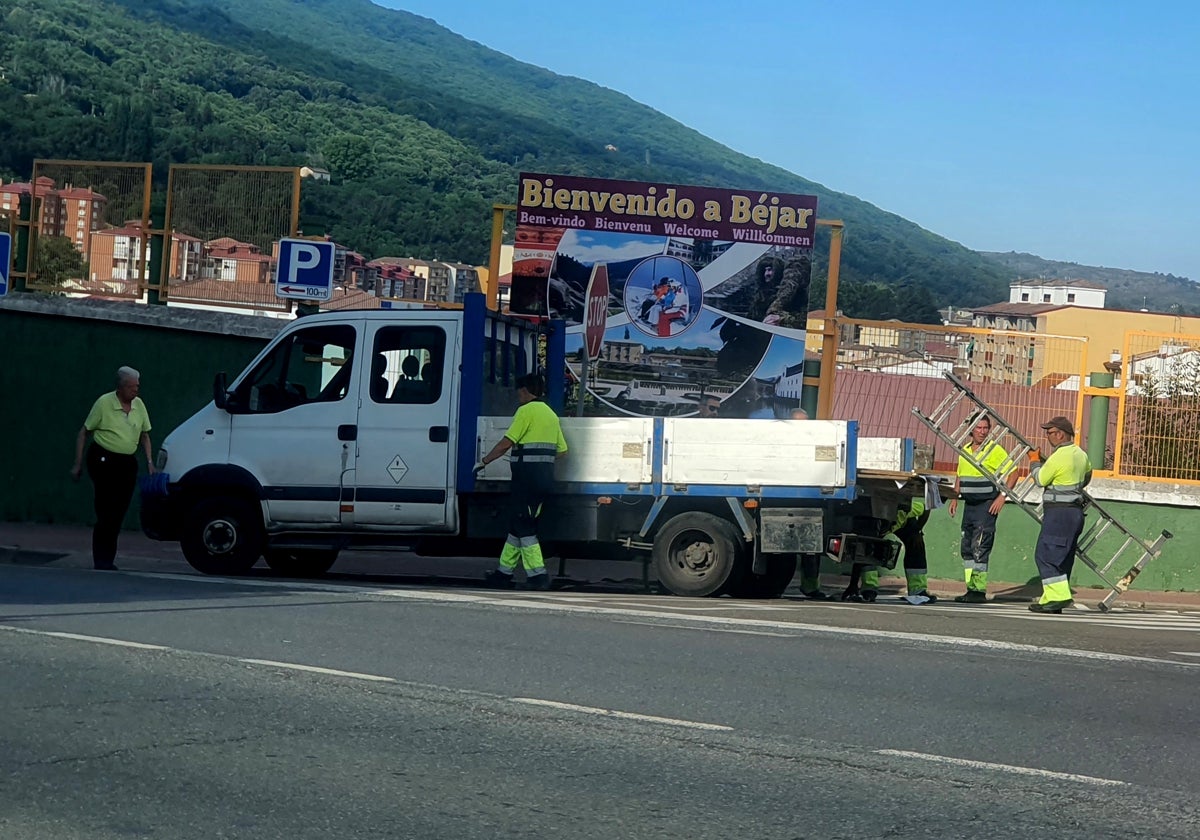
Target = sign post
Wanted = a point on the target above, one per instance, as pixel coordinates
(5, 261)
(595, 318)
(304, 270)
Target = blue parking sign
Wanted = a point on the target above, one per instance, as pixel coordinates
(305, 269)
(5, 261)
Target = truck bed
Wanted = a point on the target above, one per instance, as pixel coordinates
(710, 457)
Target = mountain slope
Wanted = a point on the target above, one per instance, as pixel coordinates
(423, 129)
(1126, 289)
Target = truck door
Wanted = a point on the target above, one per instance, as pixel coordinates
(293, 423)
(406, 428)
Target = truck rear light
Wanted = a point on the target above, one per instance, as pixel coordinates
(835, 546)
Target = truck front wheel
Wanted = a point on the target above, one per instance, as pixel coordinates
(698, 554)
(222, 536)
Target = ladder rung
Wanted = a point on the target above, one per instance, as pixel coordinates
(1120, 551)
(1094, 533)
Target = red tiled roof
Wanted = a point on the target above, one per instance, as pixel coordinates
(1015, 308)
(882, 404)
(1053, 284)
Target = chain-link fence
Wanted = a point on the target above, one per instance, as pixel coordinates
(1158, 414)
(225, 224)
(886, 368)
(90, 227)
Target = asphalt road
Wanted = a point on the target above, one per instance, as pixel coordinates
(169, 705)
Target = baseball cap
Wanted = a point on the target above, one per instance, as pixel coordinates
(1062, 424)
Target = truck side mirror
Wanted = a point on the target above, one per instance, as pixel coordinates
(220, 391)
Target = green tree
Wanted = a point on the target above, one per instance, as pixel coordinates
(58, 261)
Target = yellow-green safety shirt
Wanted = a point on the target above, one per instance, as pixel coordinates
(1064, 475)
(536, 434)
(973, 486)
(112, 428)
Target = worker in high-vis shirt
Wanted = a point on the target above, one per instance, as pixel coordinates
(982, 503)
(1063, 474)
(909, 528)
(535, 441)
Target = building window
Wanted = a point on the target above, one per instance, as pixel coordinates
(1025, 297)
(1045, 298)
(1070, 297)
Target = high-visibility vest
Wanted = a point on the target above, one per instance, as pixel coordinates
(1064, 475)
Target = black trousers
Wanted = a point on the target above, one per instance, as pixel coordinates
(532, 484)
(113, 478)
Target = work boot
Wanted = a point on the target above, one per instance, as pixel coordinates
(815, 595)
(852, 595)
(924, 593)
(1055, 607)
(971, 596)
(496, 579)
(869, 595)
(538, 583)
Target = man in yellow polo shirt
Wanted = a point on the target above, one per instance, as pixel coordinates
(982, 503)
(536, 440)
(118, 424)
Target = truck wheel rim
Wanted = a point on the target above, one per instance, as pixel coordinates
(220, 536)
(694, 553)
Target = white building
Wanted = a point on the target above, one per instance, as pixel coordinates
(1058, 292)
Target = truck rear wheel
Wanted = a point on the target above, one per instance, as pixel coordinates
(303, 563)
(698, 554)
(222, 536)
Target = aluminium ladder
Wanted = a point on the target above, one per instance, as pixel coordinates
(1027, 492)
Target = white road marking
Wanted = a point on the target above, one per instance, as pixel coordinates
(711, 629)
(81, 638)
(550, 606)
(1004, 768)
(1186, 652)
(593, 710)
(317, 670)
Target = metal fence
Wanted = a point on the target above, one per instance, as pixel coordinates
(90, 227)
(1158, 410)
(224, 223)
(886, 368)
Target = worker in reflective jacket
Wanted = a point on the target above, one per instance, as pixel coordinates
(982, 503)
(535, 441)
(909, 529)
(1064, 475)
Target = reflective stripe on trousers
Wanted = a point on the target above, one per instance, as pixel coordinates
(978, 536)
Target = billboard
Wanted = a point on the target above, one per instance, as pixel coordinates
(708, 289)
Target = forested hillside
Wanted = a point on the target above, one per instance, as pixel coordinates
(422, 130)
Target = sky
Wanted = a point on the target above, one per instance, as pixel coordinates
(1067, 129)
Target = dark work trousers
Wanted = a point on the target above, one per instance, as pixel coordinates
(113, 477)
(1055, 552)
(978, 535)
(912, 535)
(531, 485)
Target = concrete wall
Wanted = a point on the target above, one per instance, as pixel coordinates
(60, 354)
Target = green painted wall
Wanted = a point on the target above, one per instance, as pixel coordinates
(1016, 535)
(62, 354)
